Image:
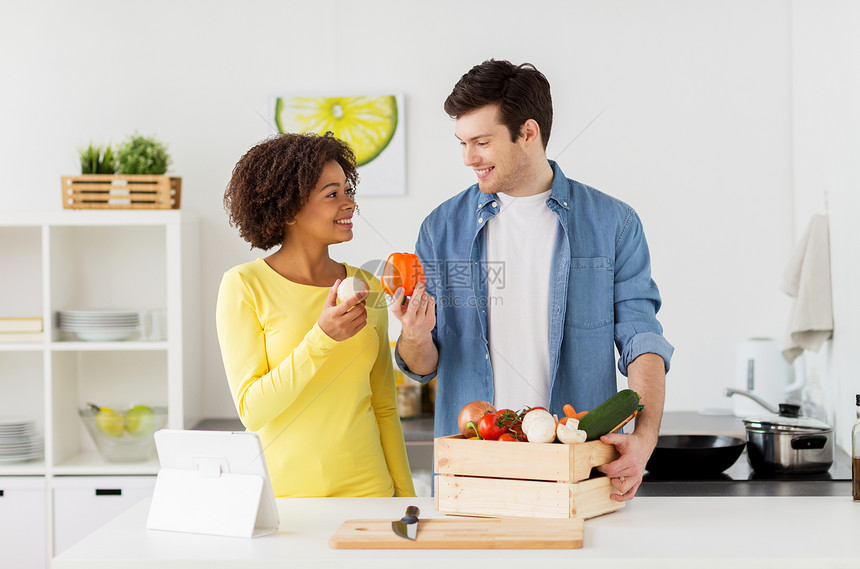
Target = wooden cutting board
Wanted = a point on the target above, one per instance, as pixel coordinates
(464, 533)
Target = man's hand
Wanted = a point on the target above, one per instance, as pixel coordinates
(343, 321)
(626, 472)
(647, 377)
(417, 317)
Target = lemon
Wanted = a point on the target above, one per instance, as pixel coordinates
(109, 422)
(367, 124)
(140, 420)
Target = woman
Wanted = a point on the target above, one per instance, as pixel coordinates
(312, 377)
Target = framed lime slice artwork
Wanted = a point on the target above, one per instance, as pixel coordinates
(371, 124)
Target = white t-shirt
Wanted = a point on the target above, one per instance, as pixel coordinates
(520, 241)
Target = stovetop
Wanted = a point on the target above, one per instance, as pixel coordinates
(742, 471)
(740, 479)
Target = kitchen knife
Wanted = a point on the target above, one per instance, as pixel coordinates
(407, 526)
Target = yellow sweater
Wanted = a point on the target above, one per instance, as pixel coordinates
(325, 410)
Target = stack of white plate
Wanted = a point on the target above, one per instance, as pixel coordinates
(18, 440)
(99, 325)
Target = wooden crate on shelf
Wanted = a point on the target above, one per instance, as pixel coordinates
(117, 191)
(492, 478)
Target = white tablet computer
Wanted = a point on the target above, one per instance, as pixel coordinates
(212, 482)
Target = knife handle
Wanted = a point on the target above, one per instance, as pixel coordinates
(412, 513)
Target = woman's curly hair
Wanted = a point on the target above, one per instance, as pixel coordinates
(273, 180)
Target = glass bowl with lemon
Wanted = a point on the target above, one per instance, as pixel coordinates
(123, 434)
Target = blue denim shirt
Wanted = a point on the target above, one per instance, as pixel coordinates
(602, 297)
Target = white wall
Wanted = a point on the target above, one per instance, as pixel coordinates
(826, 88)
(696, 130)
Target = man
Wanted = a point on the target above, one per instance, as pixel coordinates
(532, 279)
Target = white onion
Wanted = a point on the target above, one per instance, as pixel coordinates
(349, 287)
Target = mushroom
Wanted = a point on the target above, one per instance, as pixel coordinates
(539, 426)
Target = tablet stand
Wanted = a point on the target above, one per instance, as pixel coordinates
(208, 499)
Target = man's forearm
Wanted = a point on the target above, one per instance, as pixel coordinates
(647, 376)
(420, 356)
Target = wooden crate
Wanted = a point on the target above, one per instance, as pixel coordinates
(491, 478)
(115, 191)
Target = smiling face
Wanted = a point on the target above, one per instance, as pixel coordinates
(501, 165)
(327, 215)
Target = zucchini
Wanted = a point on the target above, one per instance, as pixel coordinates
(609, 414)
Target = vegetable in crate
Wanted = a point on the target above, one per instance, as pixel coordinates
(488, 427)
(539, 426)
(481, 420)
(613, 412)
(568, 432)
(504, 422)
(471, 414)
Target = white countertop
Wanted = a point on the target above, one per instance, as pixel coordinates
(677, 532)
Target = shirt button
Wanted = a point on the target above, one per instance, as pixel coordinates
(565, 203)
(480, 220)
(495, 204)
(487, 357)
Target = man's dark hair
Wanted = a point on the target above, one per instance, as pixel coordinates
(521, 91)
(273, 180)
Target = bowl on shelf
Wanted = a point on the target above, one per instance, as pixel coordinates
(124, 435)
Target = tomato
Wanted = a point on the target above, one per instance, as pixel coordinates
(517, 432)
(402, 270)
(502, 422)
(489, 429)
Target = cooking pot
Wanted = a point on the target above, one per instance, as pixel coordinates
(787, 442)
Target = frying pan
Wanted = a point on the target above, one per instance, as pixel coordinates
(688, 456)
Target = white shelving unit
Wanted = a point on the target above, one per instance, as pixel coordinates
(94, 259)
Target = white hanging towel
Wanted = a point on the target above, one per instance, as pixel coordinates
(807, 280)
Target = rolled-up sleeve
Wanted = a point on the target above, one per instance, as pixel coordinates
(637, 298)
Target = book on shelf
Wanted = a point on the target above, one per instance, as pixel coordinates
(8, 325)
(15, 337)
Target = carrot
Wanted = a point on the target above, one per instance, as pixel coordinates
(580, 415)
(563, 420)
(569, 411)
(625, 421)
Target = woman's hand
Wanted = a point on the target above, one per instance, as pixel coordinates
(343, 321)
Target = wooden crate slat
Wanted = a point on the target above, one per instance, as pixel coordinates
(476, 496)
(556, 462)
(502, 497)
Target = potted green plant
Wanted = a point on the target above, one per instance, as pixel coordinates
(132, 177)
(141, 155)
(97, 160)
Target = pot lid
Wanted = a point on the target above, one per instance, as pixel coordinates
(788, 419)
